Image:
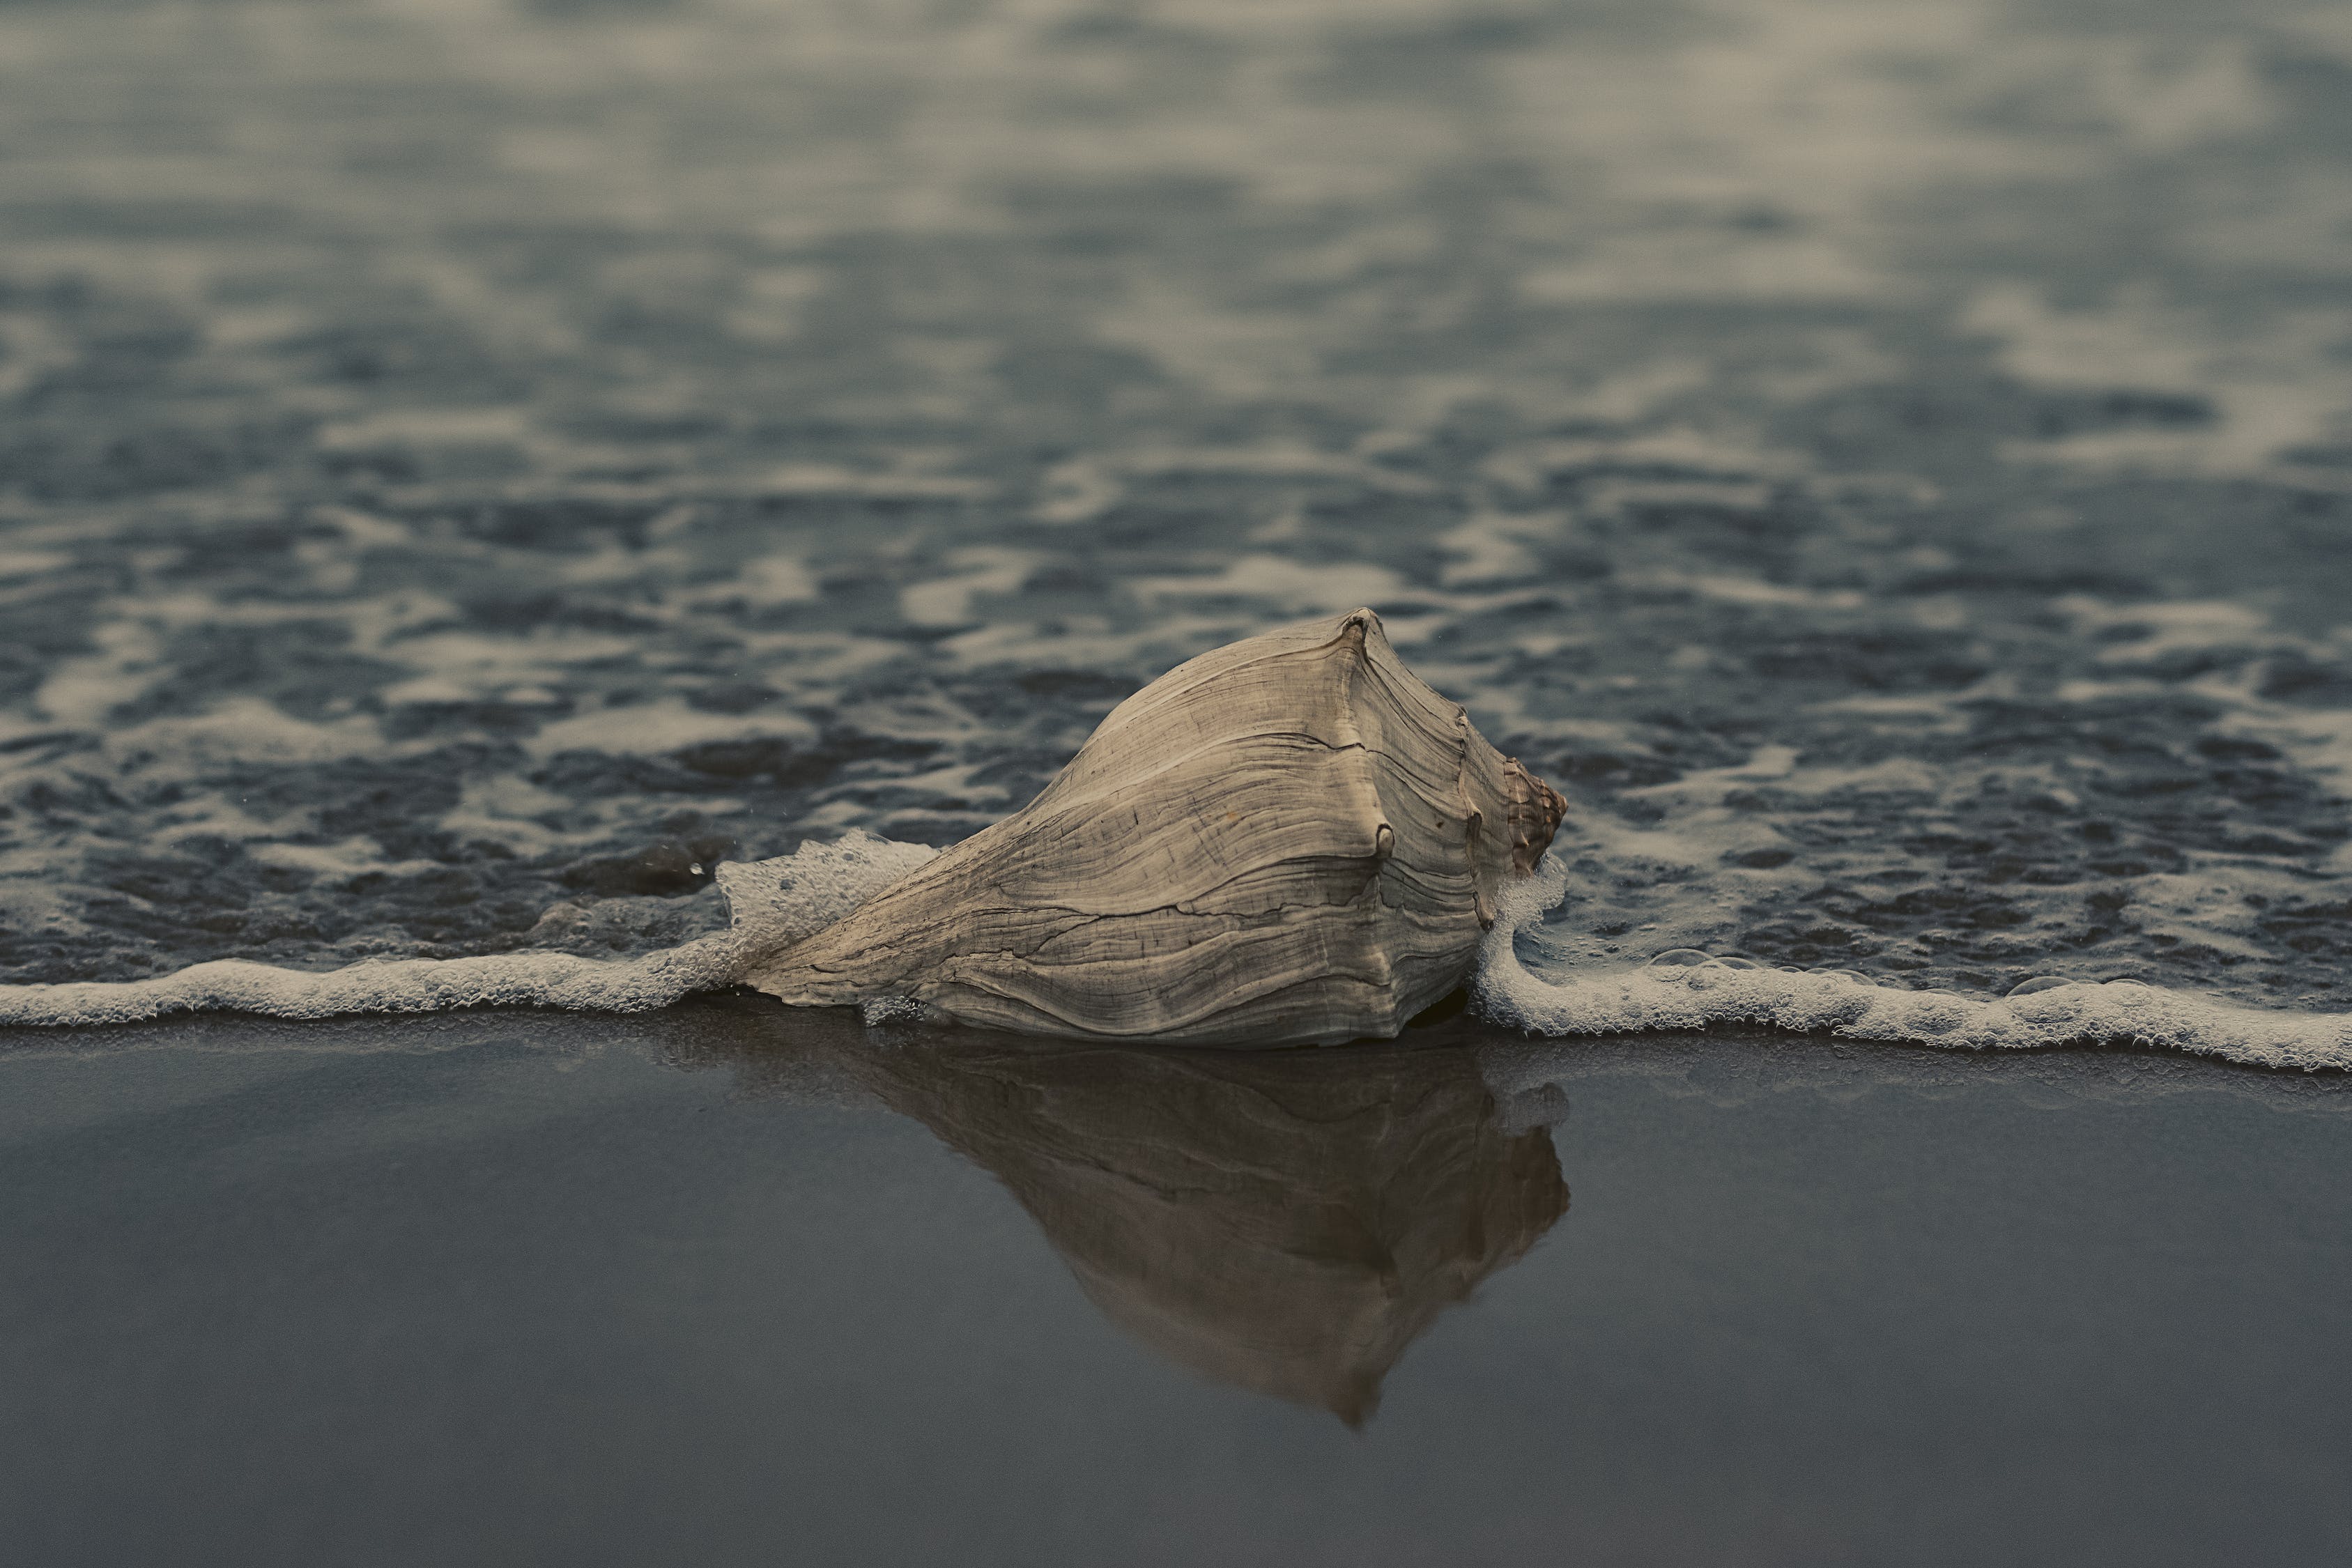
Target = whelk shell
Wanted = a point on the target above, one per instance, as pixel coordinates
(1291, 839)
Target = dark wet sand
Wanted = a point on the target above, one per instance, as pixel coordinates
(729, 1285)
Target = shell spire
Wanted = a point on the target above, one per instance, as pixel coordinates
(1288, 839)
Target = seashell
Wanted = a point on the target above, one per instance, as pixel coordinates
(1291, 839)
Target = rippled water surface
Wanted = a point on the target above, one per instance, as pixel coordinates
(467, 467)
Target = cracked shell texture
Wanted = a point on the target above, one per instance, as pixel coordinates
(1291, 839)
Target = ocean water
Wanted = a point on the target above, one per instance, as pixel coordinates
(470, 469)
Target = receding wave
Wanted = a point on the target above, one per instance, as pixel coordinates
(1691, 990)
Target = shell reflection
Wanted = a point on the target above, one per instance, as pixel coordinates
(1285, 1221)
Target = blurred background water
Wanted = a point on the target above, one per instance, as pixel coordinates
(467, 467)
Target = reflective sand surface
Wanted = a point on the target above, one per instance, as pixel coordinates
(498, 1288)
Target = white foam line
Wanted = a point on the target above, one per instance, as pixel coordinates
(404, 985)
(772, 904)
(1694, 997)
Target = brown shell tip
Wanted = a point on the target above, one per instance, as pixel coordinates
(1535, 810)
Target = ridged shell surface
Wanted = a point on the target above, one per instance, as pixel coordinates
(1290, 839)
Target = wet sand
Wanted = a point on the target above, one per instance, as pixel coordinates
(729, 1284)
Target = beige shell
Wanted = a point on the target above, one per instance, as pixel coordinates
(1290, 839)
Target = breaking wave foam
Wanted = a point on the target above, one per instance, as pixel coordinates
(771, 905)
(1689, 990)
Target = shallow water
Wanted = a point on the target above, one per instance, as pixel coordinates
(471, 467)
(497, 1289)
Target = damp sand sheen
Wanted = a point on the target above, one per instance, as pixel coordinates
(1292, 839)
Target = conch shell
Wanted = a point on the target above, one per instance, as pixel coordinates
(1288, 840)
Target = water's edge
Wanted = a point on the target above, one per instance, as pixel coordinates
(773, 903)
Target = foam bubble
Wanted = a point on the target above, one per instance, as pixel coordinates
(1688, 990)
(772, 904)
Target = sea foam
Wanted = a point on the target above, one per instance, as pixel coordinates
(771, 905)
(1688, 990)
